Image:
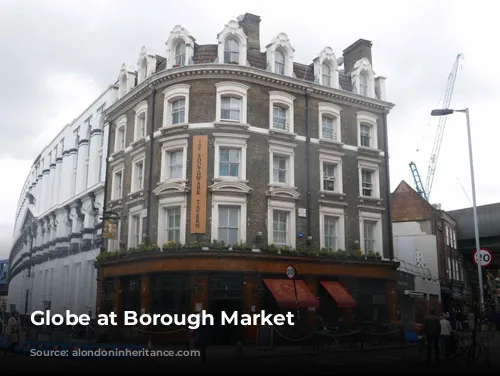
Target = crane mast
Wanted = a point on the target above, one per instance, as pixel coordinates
(431, 170)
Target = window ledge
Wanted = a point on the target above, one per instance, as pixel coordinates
(173, 181)
(117, 154)
(138, 142)
(229, 179)
(370, 151)
(281, 133)
(323, 193)
(174, 127)
(280, 185)
(331, 142)
(228, 124)
(115, 202)
(139, 193)
(378, 200)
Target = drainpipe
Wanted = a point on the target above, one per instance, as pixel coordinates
(150, 177)
(388, 187)
(308, 170)
(106, 180)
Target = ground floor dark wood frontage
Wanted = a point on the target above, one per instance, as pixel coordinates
(347, 290)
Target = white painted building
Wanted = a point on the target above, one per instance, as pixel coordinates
(58, 227)
(414, 245)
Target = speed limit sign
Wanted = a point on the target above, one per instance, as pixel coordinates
(484, 258)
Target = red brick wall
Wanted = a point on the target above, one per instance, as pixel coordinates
(408, 205)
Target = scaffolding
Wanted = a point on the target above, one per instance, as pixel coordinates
(417, 271)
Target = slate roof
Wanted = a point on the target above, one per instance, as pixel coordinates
(488, 218)
(207, 54)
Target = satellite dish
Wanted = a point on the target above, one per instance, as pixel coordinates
(340, 61)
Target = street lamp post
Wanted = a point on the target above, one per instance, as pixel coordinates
(444, 112)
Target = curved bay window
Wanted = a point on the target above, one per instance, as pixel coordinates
(170, 294)
(131, 291)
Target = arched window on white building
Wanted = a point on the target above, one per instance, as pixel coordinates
(232, 47)
(180, 48)
(325, 69)
(279, 55)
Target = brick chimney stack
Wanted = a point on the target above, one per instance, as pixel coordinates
(251, 26)
(355, 52)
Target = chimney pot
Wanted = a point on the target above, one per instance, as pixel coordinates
(362, 48)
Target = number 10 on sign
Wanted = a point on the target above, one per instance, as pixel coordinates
(483, 257)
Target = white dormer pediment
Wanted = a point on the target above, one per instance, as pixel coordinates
(286, 193)
(230, 187)
(364, 68)
(126, 80)
(232, 31)
(170, 189)
(180, 48)
(326, 68)
(282, 44)
(146, 65)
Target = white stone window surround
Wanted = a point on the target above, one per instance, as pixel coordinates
(121, 122)
(164, 204)
(231, 141)
(231, 89)
(169, 144)
(172, 94)
(326, 57)
(283, 100)
(328, 157)
(286, 149)
(140, 110)
(234, 31)
(338, 213)
(369, 119)
(137, 159)
(282, 43)
(283, 206)
(177, 35)
(372, 217)
(363, 65)
(372, 165)
(134, 211)
(114, 184)
(333, 111)
(146, 65)
(240, 201)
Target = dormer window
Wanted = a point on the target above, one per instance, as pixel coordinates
(231, 52)
(180, 48)
(363, 83)
(144, 68)
(232, 47)
(279, 56)
(327, 75)
(180, 54)
(363, 78)
(146, 65)
(122, 86)
(279, 63)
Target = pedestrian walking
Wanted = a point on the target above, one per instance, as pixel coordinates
(446, 330)
(432, 331)
(12, 332)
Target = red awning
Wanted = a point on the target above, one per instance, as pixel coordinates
(340, 294)
(283, 292)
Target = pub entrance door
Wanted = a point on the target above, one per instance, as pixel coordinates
(226, 295)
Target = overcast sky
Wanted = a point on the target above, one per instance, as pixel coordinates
(57, 56)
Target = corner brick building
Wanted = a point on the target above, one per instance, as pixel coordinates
(228, 163)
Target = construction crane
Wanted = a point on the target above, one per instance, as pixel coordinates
(431, 170)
